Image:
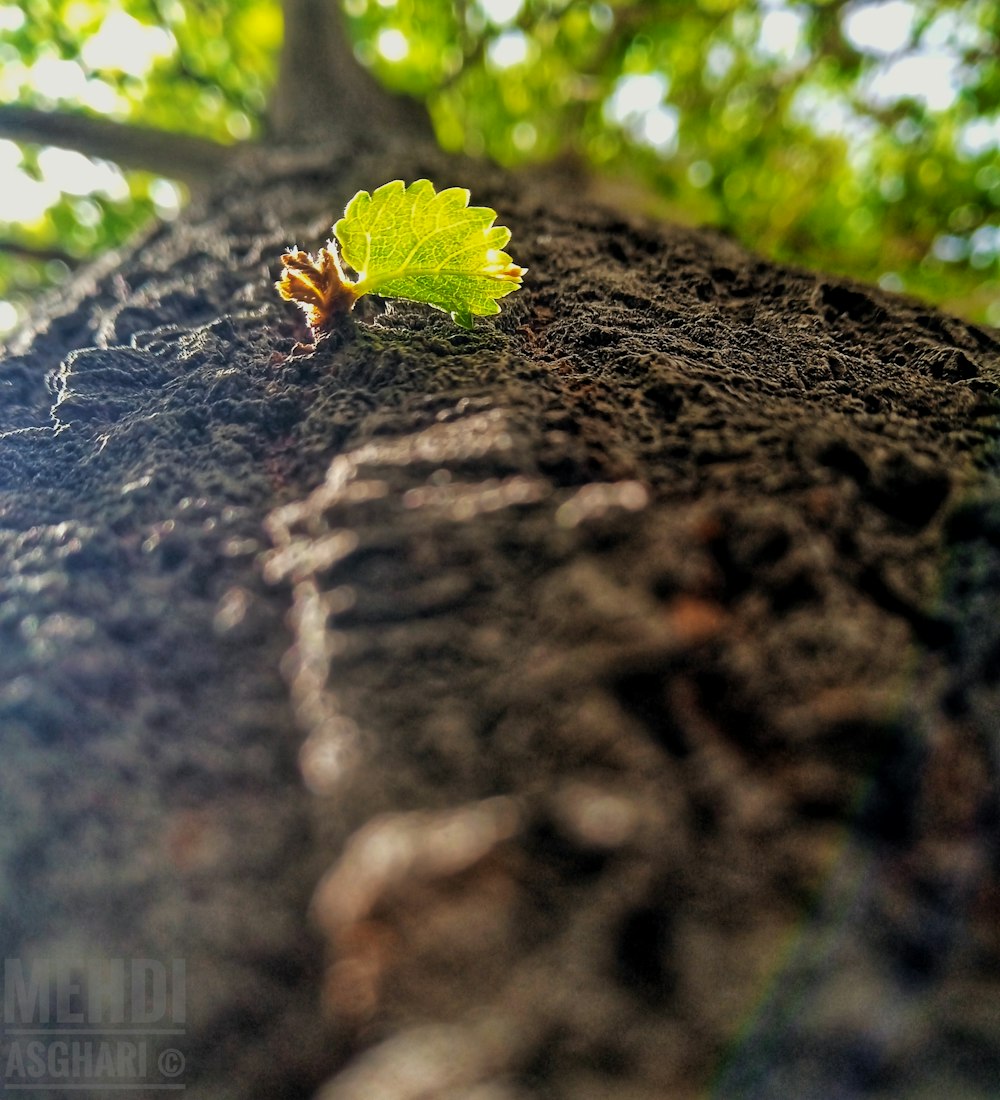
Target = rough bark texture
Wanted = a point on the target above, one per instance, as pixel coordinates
(603, 703)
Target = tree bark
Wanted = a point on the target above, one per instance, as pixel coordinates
(322, 88)
(599, 703)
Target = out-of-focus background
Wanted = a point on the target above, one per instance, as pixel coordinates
(856, 137)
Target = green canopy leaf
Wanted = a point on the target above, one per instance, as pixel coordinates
(427, 246)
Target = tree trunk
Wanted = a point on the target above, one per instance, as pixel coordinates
(602, 703)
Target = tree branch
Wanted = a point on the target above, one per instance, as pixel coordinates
(42, 255)
(180, 156)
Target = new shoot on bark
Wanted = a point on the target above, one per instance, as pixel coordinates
(405, 242)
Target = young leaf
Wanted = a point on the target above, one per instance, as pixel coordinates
(416, 243)
(406, 242)
(317, 285)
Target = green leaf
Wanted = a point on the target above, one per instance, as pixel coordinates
(428, 246)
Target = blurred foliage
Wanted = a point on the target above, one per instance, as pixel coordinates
(202, 67)
(854, 137)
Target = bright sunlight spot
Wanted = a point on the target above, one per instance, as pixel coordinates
(635, 95)
(636, 104)
(8, 317)
(719, 60)
(659, 128)
(53, 80)
(781, 35)
(954, 30)
(11, 17)
(167, 198)
(828, 114)
(26, 199)
(75, 174)
(501, 12)
(883, 28)
(985, 245)
(509, 49)
(10, 155)
(933, 78)
(99, 96)
(125, 44)
(980, 136)
(392, 45)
